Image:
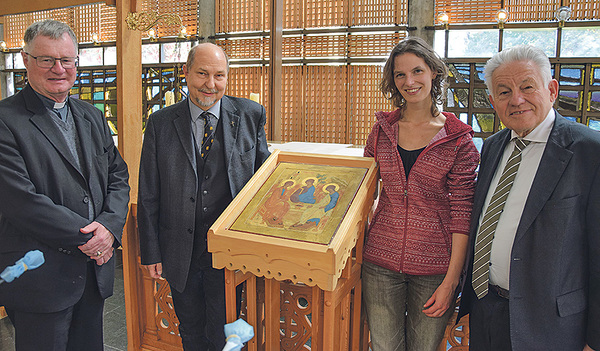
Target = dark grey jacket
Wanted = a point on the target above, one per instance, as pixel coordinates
(168, 179)
(44, 200)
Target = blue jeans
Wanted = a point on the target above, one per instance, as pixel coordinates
(394, 304)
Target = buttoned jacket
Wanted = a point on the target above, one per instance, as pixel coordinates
(555, 260)
(45, 200)
(168, 183)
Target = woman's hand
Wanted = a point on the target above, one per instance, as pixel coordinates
(440, 301)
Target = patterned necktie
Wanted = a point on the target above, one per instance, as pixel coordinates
(208, 138)
(485, 235)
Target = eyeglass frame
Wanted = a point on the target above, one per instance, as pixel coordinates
(54, 59)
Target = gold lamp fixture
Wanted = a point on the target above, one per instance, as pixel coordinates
(3, 46)
(144, 21)
(501, 18)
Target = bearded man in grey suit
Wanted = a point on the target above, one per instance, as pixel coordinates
(533, 277)
(64, 192)
(196, 157)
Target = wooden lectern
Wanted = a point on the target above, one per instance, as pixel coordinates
(294, 235)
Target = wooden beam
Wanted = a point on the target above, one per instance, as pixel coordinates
(275, 72)
(129, 126)
(15, 7)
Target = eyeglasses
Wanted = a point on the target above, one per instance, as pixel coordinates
(49, 61)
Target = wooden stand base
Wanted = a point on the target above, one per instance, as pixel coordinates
(288, 316)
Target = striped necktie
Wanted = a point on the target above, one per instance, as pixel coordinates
(487, 228)
(208, 138)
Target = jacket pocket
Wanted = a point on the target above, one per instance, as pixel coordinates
(571, 303)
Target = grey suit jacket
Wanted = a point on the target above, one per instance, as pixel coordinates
(168, 180)
(555, 259)
(45, 199)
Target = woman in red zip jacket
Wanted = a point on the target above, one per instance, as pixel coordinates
(417, 240)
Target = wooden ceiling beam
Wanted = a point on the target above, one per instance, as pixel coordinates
(16, 7)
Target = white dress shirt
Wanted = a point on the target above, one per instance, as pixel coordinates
(515, 203)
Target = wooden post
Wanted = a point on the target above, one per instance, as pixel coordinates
(129, 127)
(275, 65)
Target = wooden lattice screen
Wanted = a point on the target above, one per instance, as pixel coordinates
(365, 99)
(474, 11)
(101, 19)
(320, 102)
(584, 9)
(469, 11)
(241, 16)
(252, 79)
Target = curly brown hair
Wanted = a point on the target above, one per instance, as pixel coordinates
(420, 48)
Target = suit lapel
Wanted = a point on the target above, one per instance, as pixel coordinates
(42, 119)
(183, 127)
(552, 165)
(230, 124)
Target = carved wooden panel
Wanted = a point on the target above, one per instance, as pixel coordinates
(296, 317)
(456, 336)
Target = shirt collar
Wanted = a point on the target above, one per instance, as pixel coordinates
(51, 104)
(196, 111)
(541, 133)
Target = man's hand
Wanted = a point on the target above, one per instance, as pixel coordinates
(155, 270)
(99, 247)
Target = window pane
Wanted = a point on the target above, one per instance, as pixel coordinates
(596, 75)
(480, 99)
(439, 39)
(544, 39)
(458, 97)
(594, 101)
(571, 75)
(151, 53)
(459, 73)
(594, 124)
(8, 61)
(569, 100)
(483, 122)
(473, 43)
(10, 84)
(90, 57)
(18, 60)
(110, 56)
(478, 143)
(175, 52)
(580, 42)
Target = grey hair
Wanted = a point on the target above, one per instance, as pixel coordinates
(192, 53)
(48, 28)
(518, 53)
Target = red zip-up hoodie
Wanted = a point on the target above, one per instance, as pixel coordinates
(411, 230)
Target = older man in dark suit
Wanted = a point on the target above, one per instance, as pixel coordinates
(533, 279)
(64, 192)
(197, 155)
